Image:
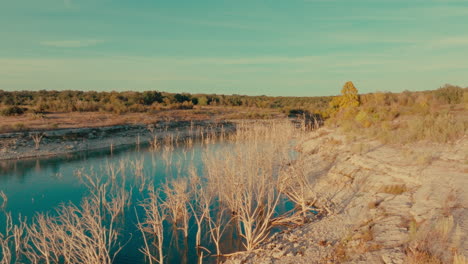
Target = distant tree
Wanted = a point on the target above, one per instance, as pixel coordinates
(149, 97)
(349, 98)
(212, 100)
(180, 98)
(349, 95)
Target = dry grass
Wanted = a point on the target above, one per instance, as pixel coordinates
(435, 242)
(245, 177)
(396, 189)
(294, 183)
(360, 148)
(459, 259)
(84, 234)
(100, 119)
(4, 200)
(13, 239)
(395, 122)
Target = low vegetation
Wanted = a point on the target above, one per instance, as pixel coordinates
(390, 117)
(436, 116)
(19, 102)
(435, 242)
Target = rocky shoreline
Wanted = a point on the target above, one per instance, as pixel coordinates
(385, 202)
(20, 145)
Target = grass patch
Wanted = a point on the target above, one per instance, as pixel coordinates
(435, 242)
(395, 189)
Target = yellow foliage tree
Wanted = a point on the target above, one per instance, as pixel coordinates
(349, 95)
(349, 98)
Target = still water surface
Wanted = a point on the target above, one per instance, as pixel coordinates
(40, 185)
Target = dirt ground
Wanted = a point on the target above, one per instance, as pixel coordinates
(30, 121)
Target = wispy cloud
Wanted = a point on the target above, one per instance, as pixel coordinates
(71, 43)
(67, 3)
(455, 41)
(445, 43)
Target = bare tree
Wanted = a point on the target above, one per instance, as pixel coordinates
(152, 228)
(177, 198)
(199, 205)
(245, 177)
(81, 234)
(294, 184)
(154, 138)
(37, 137)
(12, 240)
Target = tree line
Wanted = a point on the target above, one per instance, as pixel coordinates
(18, 102)
(43, 101)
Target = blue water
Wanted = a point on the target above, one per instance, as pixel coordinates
(41, 185)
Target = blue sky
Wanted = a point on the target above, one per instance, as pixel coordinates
(275, 47)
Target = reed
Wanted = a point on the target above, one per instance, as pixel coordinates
(152, 229)
(12, 240)
(218, 221)
(246, 176)
(4, 200)
(82, 234)
(176, 202)
(138, 171)
(295, 185)
(199, 205)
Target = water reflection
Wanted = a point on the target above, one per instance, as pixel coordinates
(40, 185)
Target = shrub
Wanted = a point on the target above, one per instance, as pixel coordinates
(19, 126)
(363, 118)
(449, 94)
(150, 97)
(12, 111)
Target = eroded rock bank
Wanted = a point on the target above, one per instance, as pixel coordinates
(389, 204)
(21, 145)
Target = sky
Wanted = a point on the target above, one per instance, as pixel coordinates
(253, 47)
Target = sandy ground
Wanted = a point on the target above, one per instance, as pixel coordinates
(384, 201)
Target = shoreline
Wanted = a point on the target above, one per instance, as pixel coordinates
(56, 142)
(385, 203)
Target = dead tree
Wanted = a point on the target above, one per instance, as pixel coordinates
(37, 137)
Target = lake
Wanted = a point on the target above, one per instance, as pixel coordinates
(41, 185)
